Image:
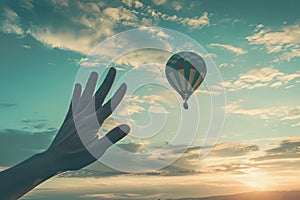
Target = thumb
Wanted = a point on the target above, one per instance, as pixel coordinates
(111, 138)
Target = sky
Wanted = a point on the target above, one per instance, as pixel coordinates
(46, 47)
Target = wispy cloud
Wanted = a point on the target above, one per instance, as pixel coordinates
(228, 47)
(131, 110)
(135, 3)
(286, 149)
(177, 5)
(138, 58)
(10, 21)
(285, 41)
(283, 113)
(27, 4)
(296, 124)
(122, 196)
(258, 78)
(155, 102)
(63, 3)
(226, 65)
(194, 22)
(229, 149)
(159, 2)
(7, 105)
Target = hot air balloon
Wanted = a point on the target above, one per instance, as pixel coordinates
(185, 72)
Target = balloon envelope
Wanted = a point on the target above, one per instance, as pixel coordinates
(185, 72)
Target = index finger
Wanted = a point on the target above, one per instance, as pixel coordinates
(104, 88)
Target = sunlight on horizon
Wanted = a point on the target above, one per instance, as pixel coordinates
(257, 180)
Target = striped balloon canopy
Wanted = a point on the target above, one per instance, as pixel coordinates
(185, 72)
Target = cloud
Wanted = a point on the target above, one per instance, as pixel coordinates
(61, 40)
(155, 99)
(237, 160)
(285, 41)
(122, 196)
(152, 103)
(278, 195)
(109, 124)
(130, 110)
(10, 21)
(252, 159)
(131, 147)
(289, 55)
(76, 32)
(188, 163)
(130, 3)
(33, 120)
(226, 65)
(159, 2)
(36, 125)
(195, 22)
(63, 3)
(275, 112)
(120, 14)
(237, 168)
(93, 25)
(177, 5)
(158, 109)
(297, 124)
(258, 27)
(235, 50)
(240, 159)
(292, 113)
(230, 20)
(14, 151)
(139, 58)
(79, 26)
(286, 149)
(155, 102)
(27, 4)
(7, 105)
(187, 174)
(92, 8)
(95, 170)
(258, 78)
(236, 155)
(230, 149)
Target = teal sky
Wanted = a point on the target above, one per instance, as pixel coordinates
(255, 45)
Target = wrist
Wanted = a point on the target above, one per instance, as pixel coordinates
(48, 162)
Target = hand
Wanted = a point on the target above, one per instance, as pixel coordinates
(76, 138)
(78, 135)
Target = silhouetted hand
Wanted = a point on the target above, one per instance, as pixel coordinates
(70, 149)
(76, 138)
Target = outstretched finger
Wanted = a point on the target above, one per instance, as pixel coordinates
(111, 138)
(75, 99)
(106, 110)
(104, 88)
(88, 91)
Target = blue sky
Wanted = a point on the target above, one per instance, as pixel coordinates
(255, 45)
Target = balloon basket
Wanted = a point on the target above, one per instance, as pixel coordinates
(185, 105)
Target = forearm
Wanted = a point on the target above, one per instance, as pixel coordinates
(18, 180)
